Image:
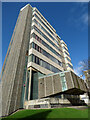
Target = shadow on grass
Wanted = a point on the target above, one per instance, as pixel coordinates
(37, 116)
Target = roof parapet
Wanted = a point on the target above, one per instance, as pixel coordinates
(25, 7)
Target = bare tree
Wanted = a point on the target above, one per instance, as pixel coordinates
(84, 65)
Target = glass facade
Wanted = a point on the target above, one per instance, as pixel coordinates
(45, 44)
(44, 30)
(43, 23)
(65, 48)
(66, 53)
(70, 66)
(64, 44)
(34, 85)
(68, 59)
(43, 18)
(63, 81)
(64, 87)
(42, 63)
(39, 49)
(43, 35)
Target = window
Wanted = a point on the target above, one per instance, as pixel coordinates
(33, 58)
(65, 48)
(68, 59)
(39, 49)
(41, 62)
(36, 47)
(43, 19)
(34, 27)
(70, 66)
(59, 63)
(43, 23)
(37, 60)
(44, 30)
(46, 45)
(66, 53)
(47, 66)
(30, 46)
(33, 45)
(63, 82)
(30, 58)
(36, 37)
(44, 64)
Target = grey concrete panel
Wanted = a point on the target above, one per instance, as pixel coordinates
(84, 85)
(41, 88)
(54, 85)
(49, 88)
(74, 77)
(69, 80)
(57, 83)
(80, 83)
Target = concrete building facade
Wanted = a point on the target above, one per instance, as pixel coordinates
(13, 70)
(63, 82)
(35, 50)
(57, 90)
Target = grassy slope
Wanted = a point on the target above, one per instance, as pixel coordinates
(50, 113)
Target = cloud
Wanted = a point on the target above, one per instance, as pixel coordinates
(78, 69)
(84, 64)
(84, 18)
(81, 66)
(79, 16)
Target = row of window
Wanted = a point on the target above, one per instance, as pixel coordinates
(45, 44)
(35, 59)
(70, 66)
(39, 49)
(44, 29)
(68, 59)
(65, 48)
(64, 43)
(34, 27)
(66, 53)
(43, 23)
(43, 19)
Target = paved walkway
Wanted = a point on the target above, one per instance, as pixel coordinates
(78, 107)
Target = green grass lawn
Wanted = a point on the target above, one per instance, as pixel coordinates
(49, 113)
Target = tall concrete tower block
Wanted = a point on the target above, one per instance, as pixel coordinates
(13, 72)
(35, 50)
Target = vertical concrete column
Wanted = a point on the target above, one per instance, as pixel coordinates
(29, 88)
